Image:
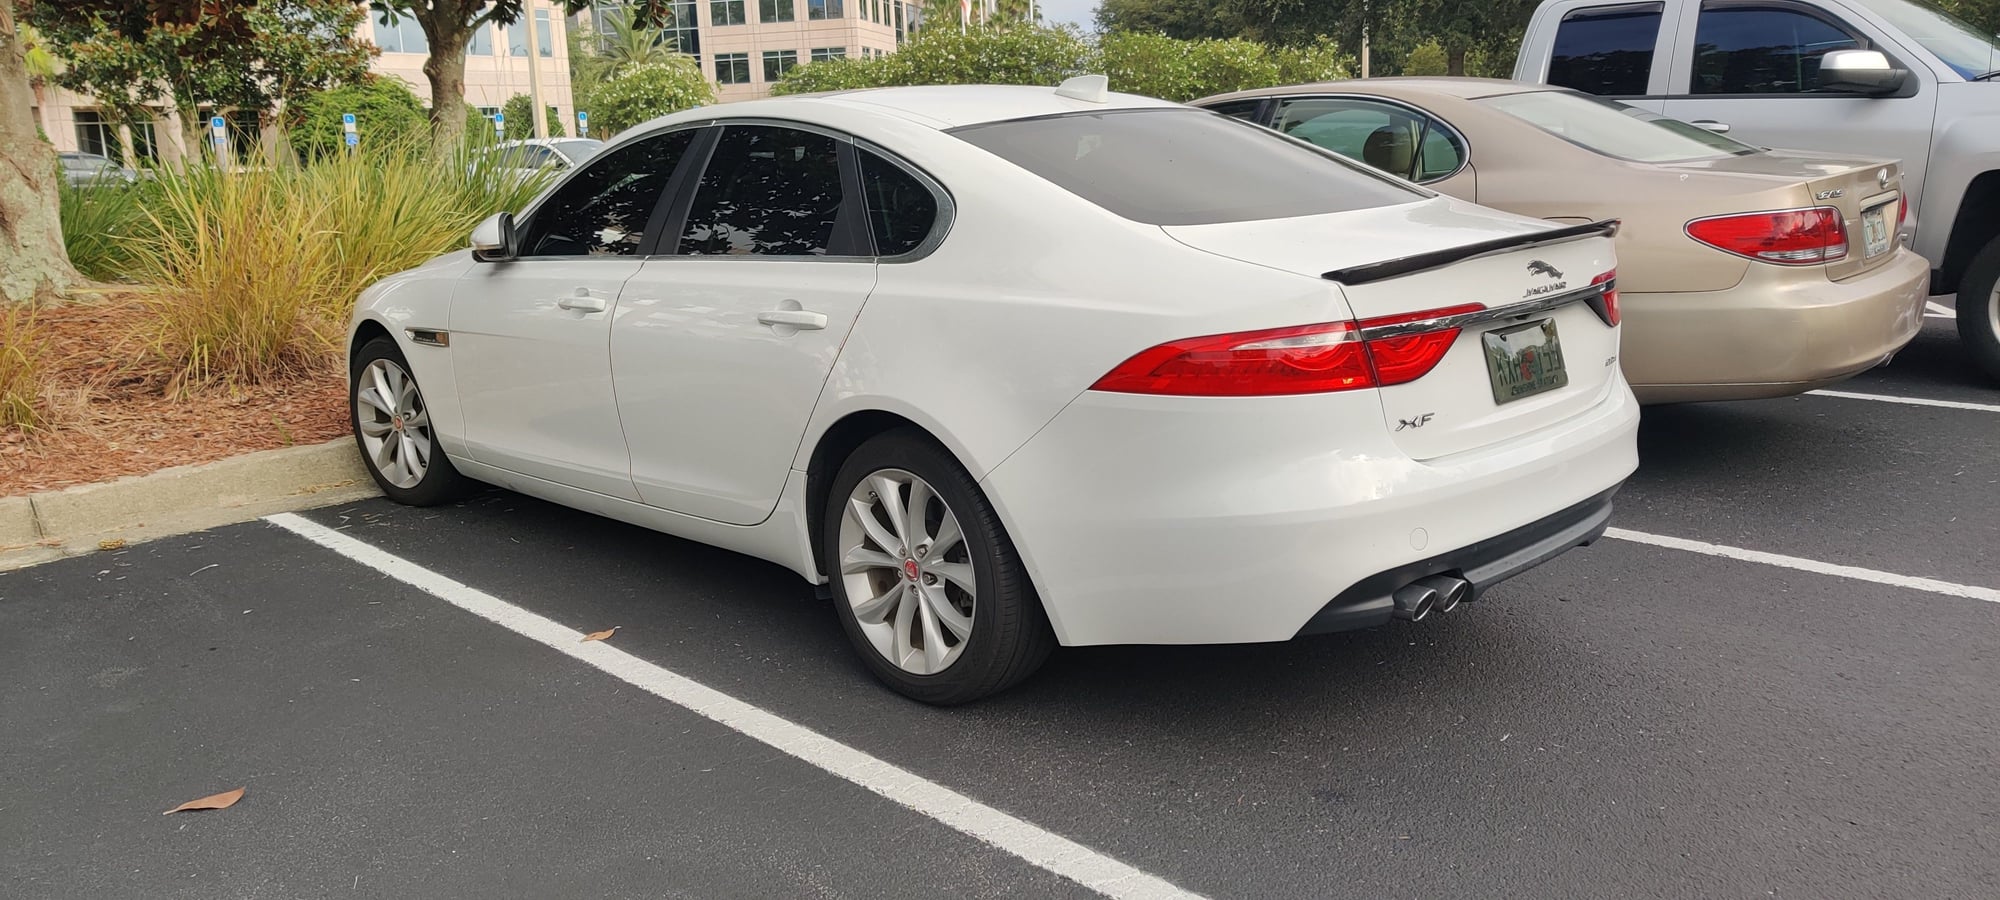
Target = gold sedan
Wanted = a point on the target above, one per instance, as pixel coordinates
(1742, 272)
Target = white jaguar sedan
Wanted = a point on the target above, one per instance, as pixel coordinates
(1007, 367)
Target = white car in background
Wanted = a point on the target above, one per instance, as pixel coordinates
(1006, 367)
(536, 157)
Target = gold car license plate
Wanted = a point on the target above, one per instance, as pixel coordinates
(1875, 234)
(1524, 360)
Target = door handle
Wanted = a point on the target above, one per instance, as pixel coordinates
(581, 301)
(1711, 125)
(801, 319)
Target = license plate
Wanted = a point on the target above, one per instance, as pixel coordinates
(1875, 234)
(1524, 360)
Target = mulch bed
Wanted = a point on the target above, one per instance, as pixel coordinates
(110, 413)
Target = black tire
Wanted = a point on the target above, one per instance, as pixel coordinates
(440, 481)
(1010, 635)
(1975, 309)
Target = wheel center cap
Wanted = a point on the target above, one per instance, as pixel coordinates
(396, 422)
(910, 569)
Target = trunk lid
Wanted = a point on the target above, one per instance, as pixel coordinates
(1860, 188)
(1453, 408)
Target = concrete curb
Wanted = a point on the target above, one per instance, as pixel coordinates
(53, 524)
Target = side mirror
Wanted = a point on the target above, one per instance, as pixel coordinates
(493, 239)
(1860, 71)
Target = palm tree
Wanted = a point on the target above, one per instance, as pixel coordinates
(43, 65)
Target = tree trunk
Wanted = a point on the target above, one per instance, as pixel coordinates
(1454, 61)
(33, 263)
(445, 68)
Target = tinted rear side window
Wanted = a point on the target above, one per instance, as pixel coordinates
(1606, 51)
(1184, 166)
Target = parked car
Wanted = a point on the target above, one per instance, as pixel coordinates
(1007, 367)
(1898, 79)
(91, 170)
(1743, 273)
(535, 157)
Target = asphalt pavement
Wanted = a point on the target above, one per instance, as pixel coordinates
(1629, 720)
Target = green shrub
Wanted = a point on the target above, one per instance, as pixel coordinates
(836, 75)
(647, 91)
(518, 124)
(99, 225)
(384, 108)
(1033, 55)
(1426, 59)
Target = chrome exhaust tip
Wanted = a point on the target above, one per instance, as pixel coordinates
(1451, 590)
(1415, 601)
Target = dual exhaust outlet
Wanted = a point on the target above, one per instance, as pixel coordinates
(1437, 593)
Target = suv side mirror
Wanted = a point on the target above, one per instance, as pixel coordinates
(1861, 71)
(493, 239)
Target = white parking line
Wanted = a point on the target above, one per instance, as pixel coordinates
(1910, 401)
(1857, 573)
(1042, 848)
(1935, 310)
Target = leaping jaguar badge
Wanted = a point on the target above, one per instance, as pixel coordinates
(1537, 267)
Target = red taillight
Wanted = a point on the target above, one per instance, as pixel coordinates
(1406, 358)
(1308, 359)
(1610, 295)
(1792, 237)
(1902, 209)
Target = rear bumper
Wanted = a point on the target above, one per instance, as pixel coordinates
(1487, 563)
(1158, 520)
(1779, 332)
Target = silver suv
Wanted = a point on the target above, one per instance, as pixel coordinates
(1887, 78)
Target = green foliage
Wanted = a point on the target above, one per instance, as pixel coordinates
(232, 54)
(518, 124)
(1184, 19)
(384, 108)
(1426, 59)
(645, 92)
(1981, 14)
(21, 353)
(99, 225)
(1135, 62)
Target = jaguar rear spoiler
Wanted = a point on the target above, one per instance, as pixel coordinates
(1405, 265)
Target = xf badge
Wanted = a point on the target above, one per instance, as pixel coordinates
(1417, 422)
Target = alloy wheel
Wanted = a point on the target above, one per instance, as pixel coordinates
(908, 571)
(395, 427)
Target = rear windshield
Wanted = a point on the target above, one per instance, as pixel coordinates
(1185, 166)
(1614, 129)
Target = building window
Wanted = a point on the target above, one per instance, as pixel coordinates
(776, 10)
(778, 62)
(824, 9)
(899, 24)
(145, 146)
(489, 112)
(725, 12)
(96, 134)
(822, 54)
(732, 68)
(517, 40)
(246, 133)
(402, 36)
(482, 41)
(545, 38)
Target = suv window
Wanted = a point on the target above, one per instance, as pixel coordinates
(606, 209)
(1389, 137)
(1183, 166)
(1608, 50)
(769, 191)
(1762, 50)
(901, 210)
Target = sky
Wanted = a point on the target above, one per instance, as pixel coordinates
(1074, 12)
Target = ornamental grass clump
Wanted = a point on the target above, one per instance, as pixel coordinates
(21, 349)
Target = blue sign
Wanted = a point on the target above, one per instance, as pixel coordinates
(346, 118)
(217, 124)
(499, 118)
(582, 121)
(353, 139)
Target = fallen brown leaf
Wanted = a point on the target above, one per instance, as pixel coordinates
(224, 800)
(113, 544)
(600, 635)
